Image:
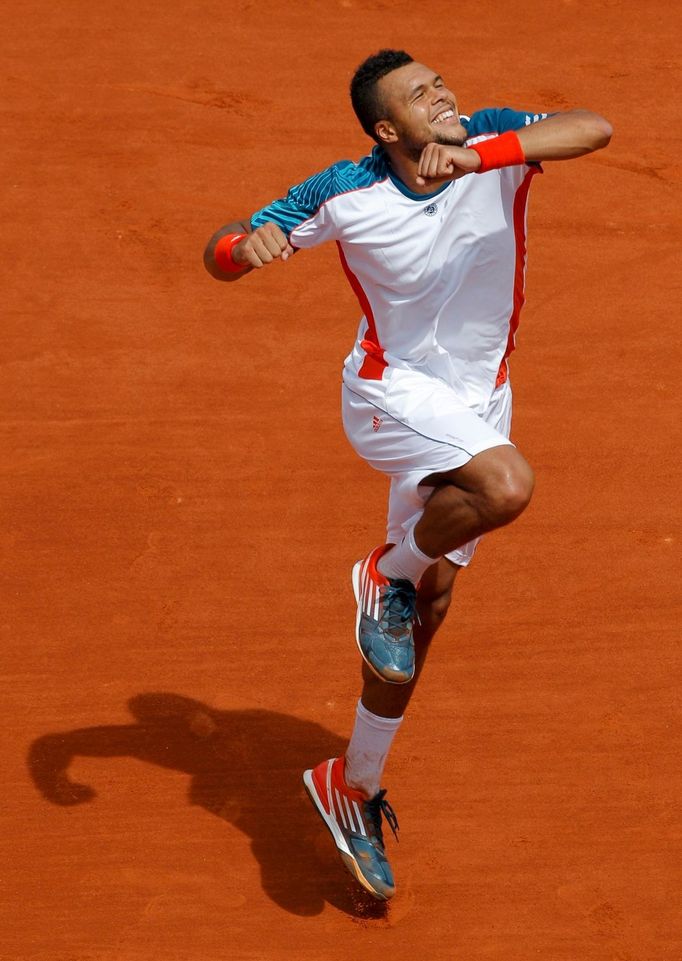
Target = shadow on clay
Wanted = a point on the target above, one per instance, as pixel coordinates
(223, 752)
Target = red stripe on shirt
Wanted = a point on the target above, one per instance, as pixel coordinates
(374, 365)
(519, 270)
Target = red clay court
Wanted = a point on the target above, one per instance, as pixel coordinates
(173, 469)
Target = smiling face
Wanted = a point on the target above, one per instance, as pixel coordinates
(419, 110)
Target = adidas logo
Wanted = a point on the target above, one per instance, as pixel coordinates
(376, 423)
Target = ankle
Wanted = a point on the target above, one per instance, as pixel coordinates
(364, 786)
(405, 561)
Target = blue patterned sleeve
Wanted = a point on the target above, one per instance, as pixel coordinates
(500, 120)
(305, 201)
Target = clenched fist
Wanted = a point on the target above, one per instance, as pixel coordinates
(265, 244)
(440, 163)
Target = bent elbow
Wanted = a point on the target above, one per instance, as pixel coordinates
(210, 264)
(602, 133)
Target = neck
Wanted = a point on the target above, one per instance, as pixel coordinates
(405, 168)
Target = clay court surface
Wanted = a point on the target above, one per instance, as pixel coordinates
(181, 509)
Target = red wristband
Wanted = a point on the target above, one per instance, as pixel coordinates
(503, 151)
(223, 254)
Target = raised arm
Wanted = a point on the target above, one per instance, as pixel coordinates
(562, 136)
(565, 136)
(257, 248)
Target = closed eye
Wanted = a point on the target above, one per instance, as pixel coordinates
(419, 91)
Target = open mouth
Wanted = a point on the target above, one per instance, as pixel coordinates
(444, 116)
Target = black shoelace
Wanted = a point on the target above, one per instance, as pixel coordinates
(376, 807)
(400, 606)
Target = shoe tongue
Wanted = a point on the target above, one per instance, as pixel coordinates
(403, 584)
(401, 608)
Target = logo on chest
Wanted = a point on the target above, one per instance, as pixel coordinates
(431, 210)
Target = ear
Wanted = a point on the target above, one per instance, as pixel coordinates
(385, 131)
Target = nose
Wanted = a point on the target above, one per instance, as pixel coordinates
(440, 95)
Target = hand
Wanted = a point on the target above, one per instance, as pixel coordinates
(69, 793)
(265, 244)
(441, 163)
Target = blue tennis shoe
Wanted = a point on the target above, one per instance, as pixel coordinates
(355, 823)
(386, 613)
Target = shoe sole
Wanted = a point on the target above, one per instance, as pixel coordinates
(339, 840)
(355, 577)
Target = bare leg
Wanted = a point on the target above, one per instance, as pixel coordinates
(488, 492)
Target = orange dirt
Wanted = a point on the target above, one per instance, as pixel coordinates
(173, 471)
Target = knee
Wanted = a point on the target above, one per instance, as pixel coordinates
(509, 493)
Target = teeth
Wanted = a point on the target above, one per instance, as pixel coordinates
(444, 116)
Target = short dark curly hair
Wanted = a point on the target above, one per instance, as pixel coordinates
(364, 96)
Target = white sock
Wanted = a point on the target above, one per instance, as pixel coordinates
(405, 560)
(368, 749)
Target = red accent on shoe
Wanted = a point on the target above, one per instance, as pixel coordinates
(374, 558)
(338, 782)
(320, 781)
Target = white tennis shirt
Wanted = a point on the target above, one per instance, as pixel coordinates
(439, 277)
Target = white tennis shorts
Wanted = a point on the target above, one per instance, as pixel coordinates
(411, 425)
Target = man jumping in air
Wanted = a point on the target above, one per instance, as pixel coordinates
(430, 229)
